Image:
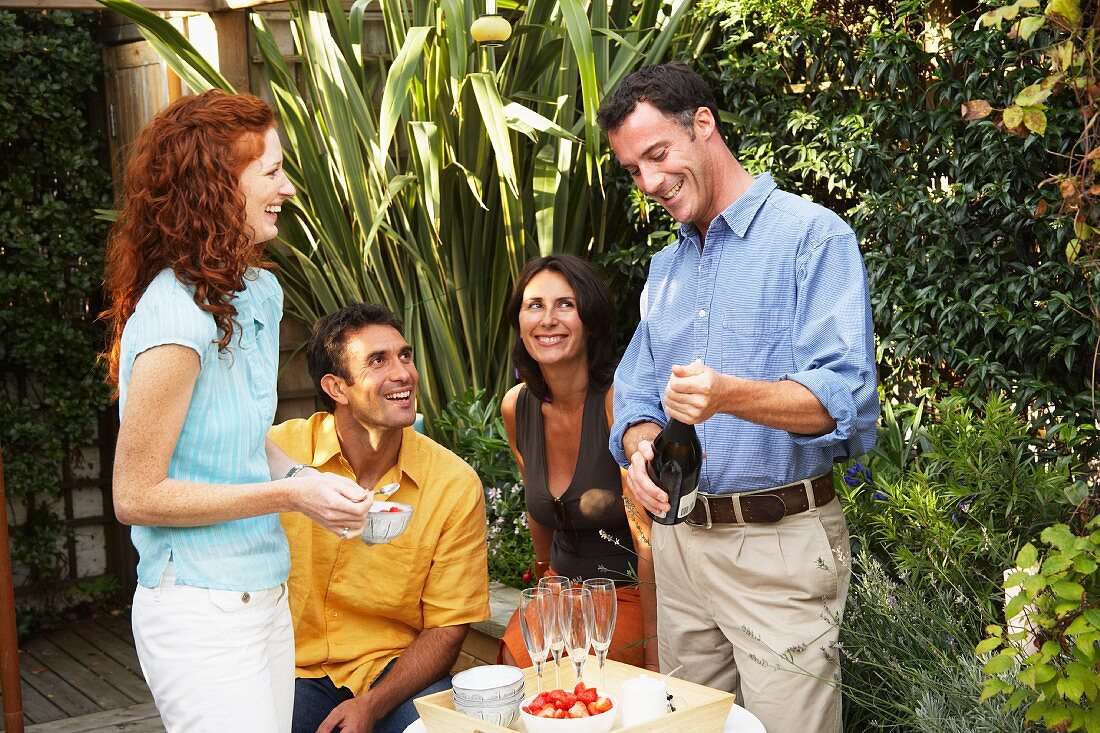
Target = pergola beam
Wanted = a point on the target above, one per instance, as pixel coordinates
(202, 6)
(197, 6)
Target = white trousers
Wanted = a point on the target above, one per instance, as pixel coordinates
(216, 660)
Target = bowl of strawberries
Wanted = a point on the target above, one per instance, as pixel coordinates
(386, 520)
(583, 710)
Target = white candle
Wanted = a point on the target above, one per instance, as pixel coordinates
(644, 698)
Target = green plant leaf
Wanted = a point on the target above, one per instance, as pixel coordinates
(987, 645)
(1015, 605)
(396, 95)
(1068, 589)
(1056, 564)
(1071, 689)
(1084, 565)
(1058, 535)
(1028, 555)
(1026, 676)
(1002, 662)
(1044, 673)
(1079, 625)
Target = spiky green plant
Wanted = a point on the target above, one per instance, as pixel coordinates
(472, 163)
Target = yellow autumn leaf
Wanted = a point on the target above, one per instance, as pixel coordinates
(1028, 26)
(1068, 10)
(1072, 250)
(976, 109)
(1062, 55)
(1013, 116)
(1035, 120)
(1032, 95)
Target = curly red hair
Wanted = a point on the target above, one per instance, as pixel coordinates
(182, 208)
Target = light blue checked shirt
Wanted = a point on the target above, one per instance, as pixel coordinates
(779, 292)
(222, 440)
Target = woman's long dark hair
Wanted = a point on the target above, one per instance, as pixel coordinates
(597, 312)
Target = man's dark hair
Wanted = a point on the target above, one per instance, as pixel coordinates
(595, 308)
(325, 352)
(673, 89)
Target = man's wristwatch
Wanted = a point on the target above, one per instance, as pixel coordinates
(296, 469)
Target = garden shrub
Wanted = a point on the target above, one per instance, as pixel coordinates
(969, 288)
(52, 178)
(471, 426)
(906, 657)
(936, 511)
(1057, 683)
(964, 503)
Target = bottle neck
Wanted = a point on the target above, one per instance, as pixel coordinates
(678, 432)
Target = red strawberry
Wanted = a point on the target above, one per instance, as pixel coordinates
(578, 710)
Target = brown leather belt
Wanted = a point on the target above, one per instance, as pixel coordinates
(760, 507)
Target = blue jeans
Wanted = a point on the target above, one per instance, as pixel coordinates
(315, 698)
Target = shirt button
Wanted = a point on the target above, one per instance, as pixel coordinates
(336, 580)
(334, 614)
(702, 314)
(245, 597)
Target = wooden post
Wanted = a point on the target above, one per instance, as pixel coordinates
(9, 642)
(232, 29)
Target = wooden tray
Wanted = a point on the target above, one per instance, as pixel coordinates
(699, 709)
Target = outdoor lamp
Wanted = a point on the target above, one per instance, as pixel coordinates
(491, 29)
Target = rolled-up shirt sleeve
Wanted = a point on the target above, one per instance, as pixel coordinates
(833, 343)
(636, 397)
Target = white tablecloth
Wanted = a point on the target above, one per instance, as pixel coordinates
(739, 721)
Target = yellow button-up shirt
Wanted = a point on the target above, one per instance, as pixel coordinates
(357, 607)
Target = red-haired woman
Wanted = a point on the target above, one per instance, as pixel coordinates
(194, 330)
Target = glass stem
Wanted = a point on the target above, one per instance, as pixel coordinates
(538, 675)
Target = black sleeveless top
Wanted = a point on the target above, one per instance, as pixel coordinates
(593, 501)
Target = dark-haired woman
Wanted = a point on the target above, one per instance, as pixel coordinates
(583, 523)
(194, 330)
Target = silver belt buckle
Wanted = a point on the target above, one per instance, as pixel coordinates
(706, 506)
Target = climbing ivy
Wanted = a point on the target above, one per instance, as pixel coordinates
(52, 177)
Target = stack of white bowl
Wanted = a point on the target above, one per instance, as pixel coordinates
(491, 693)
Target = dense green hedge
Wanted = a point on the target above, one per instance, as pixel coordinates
(52, 177)
(969, 287)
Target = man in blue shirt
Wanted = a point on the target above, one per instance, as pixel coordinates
(756, 328)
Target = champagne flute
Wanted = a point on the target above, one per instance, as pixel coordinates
(575, 619)
(536, 619)
(605, 607)
(556, 583)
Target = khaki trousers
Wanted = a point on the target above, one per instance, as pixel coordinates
(755, 609)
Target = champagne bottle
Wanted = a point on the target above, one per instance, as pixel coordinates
(677, 458)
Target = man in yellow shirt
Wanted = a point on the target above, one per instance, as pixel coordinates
(377, 626)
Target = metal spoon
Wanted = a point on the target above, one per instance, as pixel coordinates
(388, 490)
